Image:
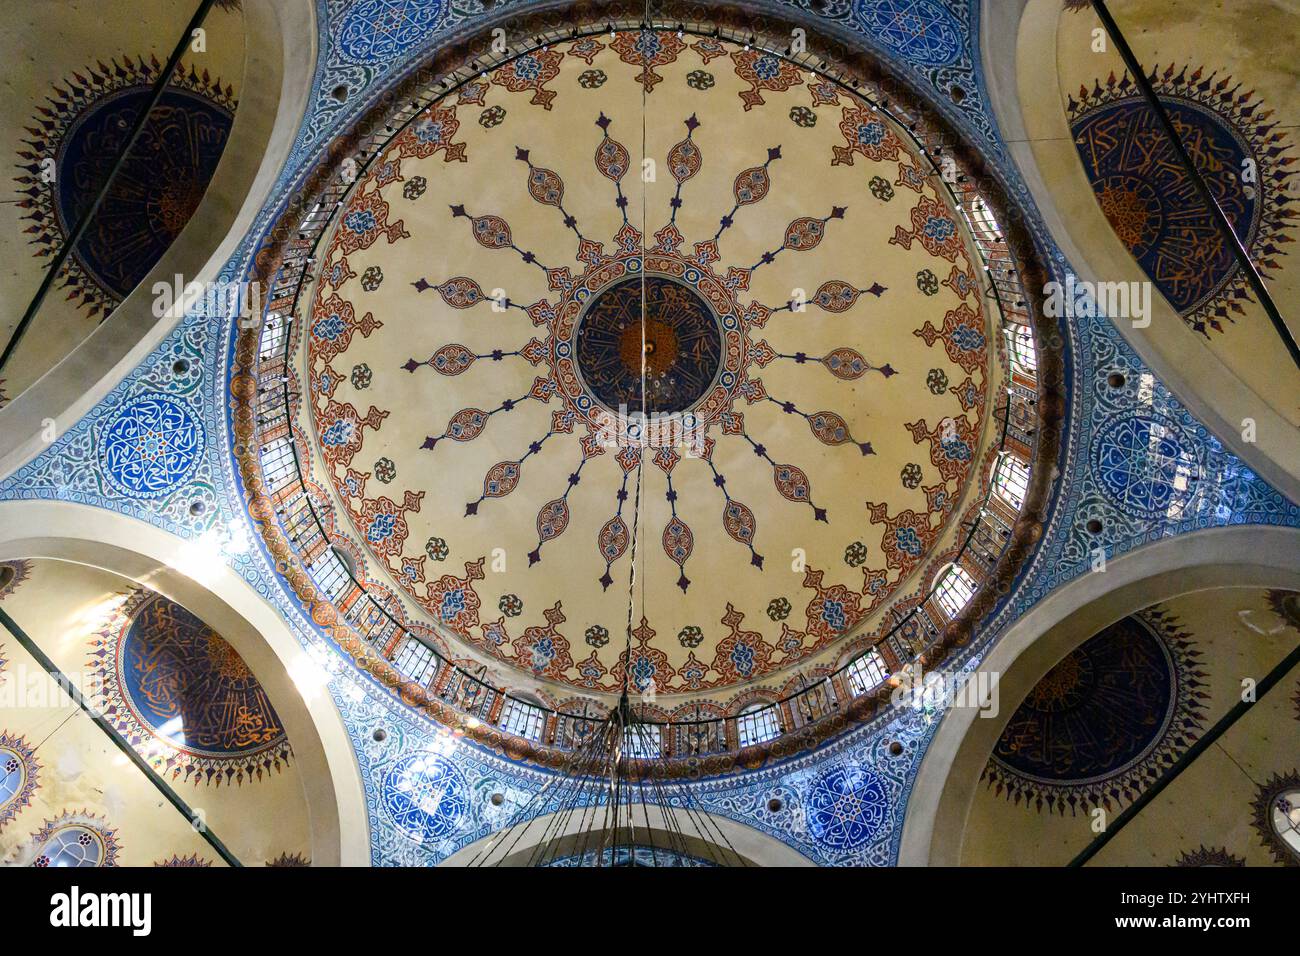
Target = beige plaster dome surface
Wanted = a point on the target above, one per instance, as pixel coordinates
(807, 300)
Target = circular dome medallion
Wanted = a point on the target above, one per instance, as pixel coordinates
(154, 194)
(648, 336)
(151, 446)
(515, 256)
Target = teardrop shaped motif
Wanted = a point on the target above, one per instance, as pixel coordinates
(846, 364)
(678, 541)
(613, 539)
(792, 483)
(460, 292)
(829, 428)
(836, 296)
(545, 186)
(452, 359)
(552, 519)
(501, 479)
(492, 232)
(612, 159)
(738, 521)
(467, 424)
(684, 160)
(804, 234)
(751, 185)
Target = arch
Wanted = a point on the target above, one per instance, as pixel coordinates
(75, 839)
(72, 845)
(225, 602)
(1024, 90)
(279, 64)
(19, 770)
(1241, 556)
(754, 847)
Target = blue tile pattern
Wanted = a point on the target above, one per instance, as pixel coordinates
(150, 446)
(429, 794)
(375, 31)
(921, 31)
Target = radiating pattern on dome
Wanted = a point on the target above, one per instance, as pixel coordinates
(76, 137)
(746, 294)
(183, 696)
(1106, 721)
(1236, 145)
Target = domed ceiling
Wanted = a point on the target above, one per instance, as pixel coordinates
(720, 357)
(870, 451)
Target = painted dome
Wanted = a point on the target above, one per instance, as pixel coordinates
(595, 393)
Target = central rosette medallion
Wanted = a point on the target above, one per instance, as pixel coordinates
(648, 334)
